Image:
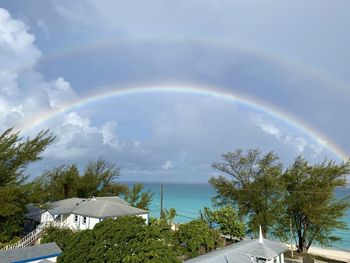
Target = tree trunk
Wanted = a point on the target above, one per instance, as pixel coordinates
(301, 242)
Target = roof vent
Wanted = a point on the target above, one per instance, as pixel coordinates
(261, 240)
(93, 198)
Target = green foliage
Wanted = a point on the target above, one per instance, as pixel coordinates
(195, 237)
(226, 219)
(168, 216)
(98, 179)
(58, 235)
(15, 155)
(136, 197)
(126, 239)
(60, 183)
(66, 181)
(271, 197)
(310, 203)
(252, 183)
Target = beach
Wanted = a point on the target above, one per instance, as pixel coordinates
(331, 253)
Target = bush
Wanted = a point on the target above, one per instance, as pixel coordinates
(225, 219)
(196, 237)
(126, 239)
(58, 235)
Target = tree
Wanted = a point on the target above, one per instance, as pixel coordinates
(59, 183)
(58, 235)
(310, 202)
(125, 239)
(195, 237)
(252, 183)
(98, 179)
(137, 197)
(16, 154)
(167, 216)
(64, 182)
(226, 220)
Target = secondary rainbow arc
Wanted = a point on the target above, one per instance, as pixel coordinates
(191, 89)
(275, 57)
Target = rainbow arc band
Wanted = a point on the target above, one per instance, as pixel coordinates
(189, 88)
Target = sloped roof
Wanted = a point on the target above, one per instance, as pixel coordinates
(105, 208)
(32, 253)
(242, 252)
(99, 207)
(34, 213)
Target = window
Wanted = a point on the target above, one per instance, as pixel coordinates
(75, 218)
(84, 220)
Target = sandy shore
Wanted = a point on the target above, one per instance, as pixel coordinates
(331, 253)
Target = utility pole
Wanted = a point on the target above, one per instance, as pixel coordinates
(161, 199)
(291, 236)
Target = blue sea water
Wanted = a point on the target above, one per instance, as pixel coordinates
(189, 199)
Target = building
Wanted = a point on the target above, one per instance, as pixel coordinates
(82, 213)
(74, 213)
(251, 251)
(38, 254)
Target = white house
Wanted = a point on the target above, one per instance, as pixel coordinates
(251, 251)
(74, 213)
(85, 213)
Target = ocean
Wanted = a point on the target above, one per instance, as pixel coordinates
(189, 199)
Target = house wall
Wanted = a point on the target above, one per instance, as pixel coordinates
(68, 221)
(144, 216)
(52, 259)
(46, 217)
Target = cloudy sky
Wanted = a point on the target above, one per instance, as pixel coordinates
(286, 63)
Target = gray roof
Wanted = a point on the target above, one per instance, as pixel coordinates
(29, 254)
(242, 252)
(34, 213)
(99, 207)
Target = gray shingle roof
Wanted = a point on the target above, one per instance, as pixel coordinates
(99, 207)
(34, 213)
(242, 252)
(30, 253)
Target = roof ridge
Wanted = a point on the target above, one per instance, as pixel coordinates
(104, 207)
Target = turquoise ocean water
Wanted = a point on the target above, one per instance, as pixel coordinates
(188, 199)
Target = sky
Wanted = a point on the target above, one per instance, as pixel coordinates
(163, 88)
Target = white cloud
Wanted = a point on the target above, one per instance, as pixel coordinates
(167, 165)
(270, 129)
(60, 93)
(298, 143)
(18, 51)
(43, 26)
(109, 135)
(24, 91)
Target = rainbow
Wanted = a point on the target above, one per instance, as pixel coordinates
(289, 63)
(189, 88)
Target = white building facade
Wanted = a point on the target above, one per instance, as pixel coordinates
(81, 214)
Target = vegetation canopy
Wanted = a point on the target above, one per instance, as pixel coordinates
(16, 154)
(251, 182)
(303, 194)
(125, 239)
(310, 203)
